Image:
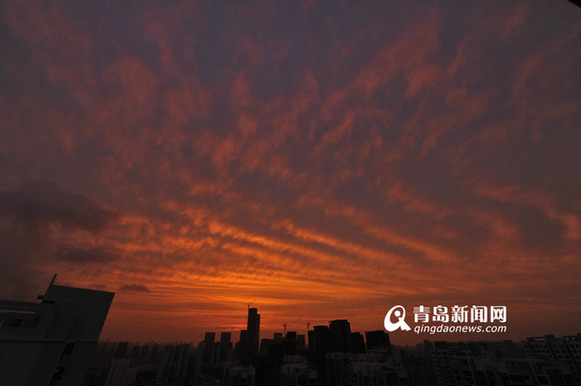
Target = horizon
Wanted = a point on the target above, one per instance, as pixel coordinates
(407, 339)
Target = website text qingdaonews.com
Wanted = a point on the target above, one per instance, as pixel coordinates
(443, 328)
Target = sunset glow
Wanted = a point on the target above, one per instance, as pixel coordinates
(327, 162)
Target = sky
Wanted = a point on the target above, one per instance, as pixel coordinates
(322, 159)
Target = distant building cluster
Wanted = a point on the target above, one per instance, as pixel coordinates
(331, 355)
(55, 342)
(536, 361)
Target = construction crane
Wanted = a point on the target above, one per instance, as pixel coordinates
(308, 325)
(251, 303)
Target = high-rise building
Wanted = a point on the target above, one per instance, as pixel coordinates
(301, 342)
(210, 337)
(321, 340)
(225, 337)
(377, 339)
(182, 357)
(565, 350)
(209, 353)
(240, 348)
(340, 336)
(253, 331)
(225, 346)
(51, 342)
(200, 358)
(289, 343)
(357, 342)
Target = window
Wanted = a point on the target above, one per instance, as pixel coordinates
(58, 373)
(68, 348)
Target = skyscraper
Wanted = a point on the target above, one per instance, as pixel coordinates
(321, 340)
(240, 348)
(340, 336)
(225, 346)
(210, 352)
(253, 328)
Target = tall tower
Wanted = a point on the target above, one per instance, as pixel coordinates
(253, 328)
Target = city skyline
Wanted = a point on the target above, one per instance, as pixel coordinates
(327, 160)
(335, 355)
(56, 341)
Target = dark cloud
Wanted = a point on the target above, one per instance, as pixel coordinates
(39, 203)
(27, 245)
(134, 288)
(90, 255)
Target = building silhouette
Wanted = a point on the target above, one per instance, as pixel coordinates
(224, 347)
(477, 363)
(336, 356)
(564, 350)
(296, 371)
(121, 373)
(321, 342)
(253, 333)
(240, 348)
(121, 350)
(51, 342)
(340, 336)
(358, 343)
(237, 375)
(377, 339)
(210, 353)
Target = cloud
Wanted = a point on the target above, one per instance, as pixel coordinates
(34, 218)
(38, 204)
(134, 288)
(82, 256)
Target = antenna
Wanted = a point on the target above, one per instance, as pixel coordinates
(40, 297)
(249, 304)
(284, 325)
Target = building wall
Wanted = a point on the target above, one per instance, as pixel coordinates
(52, 340)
